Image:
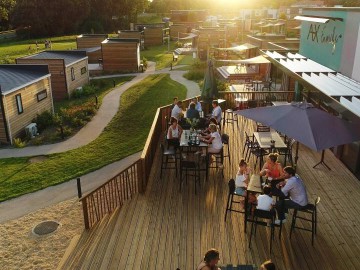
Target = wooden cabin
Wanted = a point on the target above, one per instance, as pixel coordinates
(68, 69)
(153, 36)
(91, 43)
(25, 92)
(132, 34)
(176, 30)
(121, 54)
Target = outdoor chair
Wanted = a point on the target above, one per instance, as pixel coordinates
(225, 140)
(258, 153)
(218, 162)
(252, 104)
(231, 117)
(231, 200)
(238, 267)
(266, 86)
(168, 159)
(268, 216)
(287, 152)
(310, 209)
(247, 144)
(189, 168)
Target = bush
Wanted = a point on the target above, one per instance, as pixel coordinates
(18, 143)
(86, 90)
(145, 62)
(194, 75)
(44, 120)
(222, 85)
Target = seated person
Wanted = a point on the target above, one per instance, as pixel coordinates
(174, 133)
(294, 187)
(177, 110)
(213, 139)
(265, 201)
(210, 260)
(272, 169)
(216, 113)
(207, 130)
(197, 104)
(242, 178)
(192, 112)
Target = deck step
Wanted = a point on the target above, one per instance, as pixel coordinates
(88, 250)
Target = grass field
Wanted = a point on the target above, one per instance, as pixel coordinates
(125, 135)
(9, 51)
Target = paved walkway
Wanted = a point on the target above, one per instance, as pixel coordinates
(106, 112)
(15, 208)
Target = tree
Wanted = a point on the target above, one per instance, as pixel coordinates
(6, 7)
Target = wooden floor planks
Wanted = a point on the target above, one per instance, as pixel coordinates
(166, 229)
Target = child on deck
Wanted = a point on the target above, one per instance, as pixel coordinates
(265, 201)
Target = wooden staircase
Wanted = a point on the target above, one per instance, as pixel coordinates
(97, 248)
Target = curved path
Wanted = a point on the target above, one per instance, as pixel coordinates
(15, 208)
(107, 110)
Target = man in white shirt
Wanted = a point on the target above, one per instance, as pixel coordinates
(177, 110)
(216, 113)
(197, 104)
(265, 201)
(293, 187)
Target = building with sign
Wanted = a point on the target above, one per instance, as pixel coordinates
(326, 71)
(331, 37)
(25, 91)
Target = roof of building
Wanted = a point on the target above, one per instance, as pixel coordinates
(121, 40)
(70, 57)
(92, 35)
(14, 77)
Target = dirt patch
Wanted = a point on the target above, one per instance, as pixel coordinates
(37, 159)
(20, 249)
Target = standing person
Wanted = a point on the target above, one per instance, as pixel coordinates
(174, 133)
(294, 187)
(197, 104)
(216, 113)
(177, 110)
(210, 261)
(175, 100)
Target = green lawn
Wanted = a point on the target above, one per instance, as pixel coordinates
(163, 58)
(9, 51)
(105, 86)
(125, 135)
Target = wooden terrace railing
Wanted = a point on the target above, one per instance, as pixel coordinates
(111, 195)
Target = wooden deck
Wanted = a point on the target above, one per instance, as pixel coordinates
(166, 229)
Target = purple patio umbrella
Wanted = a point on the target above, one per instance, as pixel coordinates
(306, 124)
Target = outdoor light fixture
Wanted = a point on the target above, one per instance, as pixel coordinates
(316, 19)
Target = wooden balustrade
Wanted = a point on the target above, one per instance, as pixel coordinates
(112, 194)
(261, 97)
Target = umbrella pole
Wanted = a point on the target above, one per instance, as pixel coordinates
(296, 155)
(322, 161)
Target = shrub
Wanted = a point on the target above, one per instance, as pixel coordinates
(18, 143)
(145, 62)
(222, 85)
(44, 120)
(194, 75)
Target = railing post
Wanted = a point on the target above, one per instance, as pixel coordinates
(86, 214)
(78, 183)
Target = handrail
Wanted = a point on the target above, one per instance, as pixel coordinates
(111, 195)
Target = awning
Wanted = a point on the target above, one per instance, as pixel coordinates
(295, 56)
(317, 19)
(251, 61)
(353, 105)
(243, 47)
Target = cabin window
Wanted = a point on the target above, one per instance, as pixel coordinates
(83, 70)
(41, 95)
(72, 74)
(19, 104)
